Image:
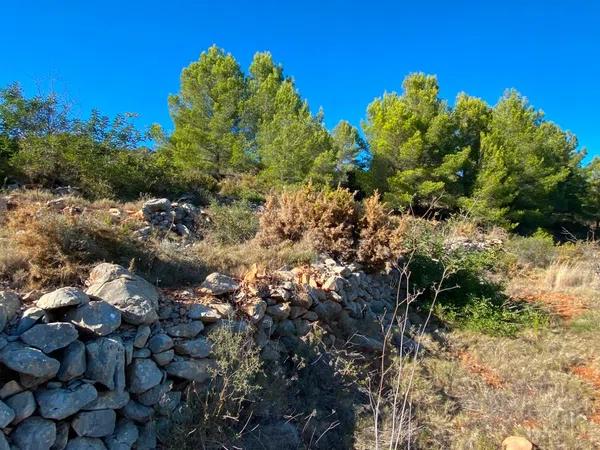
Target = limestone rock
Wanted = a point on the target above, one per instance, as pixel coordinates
(219, 284)
(60, 403)
(160, 343)
(51, 336)
(203, 313)
(132, 295)
(72, 363)
(105, 362)
(516, 443)
(137, 412)
(98, 423)
(186, 330)
(163, 358)
(29, 361)
(141, 336)
(197, 348)
(143, 375)
(98, 317)
(191, 369)
(65, 296)
(23, 405)
(6, 414)
(34, 433)
(30, 317)
(108, 400)
(85, 443)
(255, 309)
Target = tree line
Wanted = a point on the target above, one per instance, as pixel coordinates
(245, 133)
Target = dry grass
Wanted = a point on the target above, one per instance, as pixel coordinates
(572, 276)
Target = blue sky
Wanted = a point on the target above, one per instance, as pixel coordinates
(127, 55)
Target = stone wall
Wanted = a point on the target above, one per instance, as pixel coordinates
(99, 368)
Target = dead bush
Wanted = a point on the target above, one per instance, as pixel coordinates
(375, 233)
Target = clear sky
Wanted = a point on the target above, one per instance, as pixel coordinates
(120, 56)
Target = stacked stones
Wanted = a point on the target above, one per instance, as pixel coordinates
(104, 368)
(95, 369)
(161, 214)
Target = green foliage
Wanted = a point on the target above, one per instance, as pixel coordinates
(525, 161)
(536, 250)
(233, 224)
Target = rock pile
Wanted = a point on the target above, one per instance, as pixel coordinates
(104, 367)
(161, 214)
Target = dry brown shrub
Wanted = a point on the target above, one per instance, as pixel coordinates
(375, 233)
(333, 223)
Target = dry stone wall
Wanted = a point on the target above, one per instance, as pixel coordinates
(99, 368)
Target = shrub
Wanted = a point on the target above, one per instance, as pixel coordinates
(375, 233)
(536, 250)
(233, 224)
(213, 417)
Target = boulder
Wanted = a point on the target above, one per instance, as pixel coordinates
(23, 405)
(132, 295)
(143, 374)
(60, 403)
(219, 284)
(34, 433)
(6, 414)
(186, 330)
(49, 337)
(99, 423)
(191, 369)
(98, 317)
(197, 348)
(29, 361)
(60, 298)
(137, 412)
(72, 364)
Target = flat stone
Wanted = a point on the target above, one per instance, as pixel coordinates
(85, 443)
(219, 284)
(137, 412)
(106, 362)
(186, 330)
(51, 336)
(60, 298)
(72, 364)
(160, 343)
(23, 405)
(163, 358)
(141, 336)
(203, 313)
(143, 374)
(6, 414)
(34, 433)
(197, 348)
(191, 369)
(132, 295)
(29, 318)
(152, 396)
(95, 423)
(108, 400)
(99, 318)
(58, 404)
(125, 435)
(29, 361)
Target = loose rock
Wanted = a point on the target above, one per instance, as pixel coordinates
(23, 405)
(143, 375)
(219, 284)
(29, 361)
(34, 433)
(50, 337)
(99, 318)
(58, 404)
(95, 423)
(66, 296)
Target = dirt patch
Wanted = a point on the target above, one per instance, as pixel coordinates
(473, 365)
(591, 375)
(563, 305)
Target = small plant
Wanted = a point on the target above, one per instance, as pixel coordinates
(233, 224)
(536, 250)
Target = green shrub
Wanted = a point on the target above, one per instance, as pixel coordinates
(536, 250)
(233, 224)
